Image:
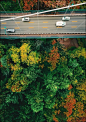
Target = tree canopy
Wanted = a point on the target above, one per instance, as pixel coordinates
(42, 81)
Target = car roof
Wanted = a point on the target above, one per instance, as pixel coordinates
(66, 17)
(59, 21)
(10, 29)
(26, 17)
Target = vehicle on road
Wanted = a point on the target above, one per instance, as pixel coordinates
(60, 23)
(10, 30)
(65, 18)
(26, 19)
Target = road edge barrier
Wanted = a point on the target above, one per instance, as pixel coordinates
(47, 15)
(44, 33)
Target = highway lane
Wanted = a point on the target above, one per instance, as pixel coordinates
(39, 25)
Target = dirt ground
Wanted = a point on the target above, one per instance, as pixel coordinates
(68, 42)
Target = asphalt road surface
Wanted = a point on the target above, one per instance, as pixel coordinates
(43, 25)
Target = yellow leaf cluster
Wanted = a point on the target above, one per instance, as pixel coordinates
(79, 110)
(32, 58)
(63, 59)
(82, 90)
(7, 86)
(15, 58)
(14, 50)
(14, 76)
(79, 52)
(24, 49)
(82, 86)
(27, 56)
(75, 81)
(22, 82)
(82, 95)
(15, 54)
(16, 67)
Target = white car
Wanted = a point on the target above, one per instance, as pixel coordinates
(25, 19)
(10, 30)
(60, 23)
(65, 18)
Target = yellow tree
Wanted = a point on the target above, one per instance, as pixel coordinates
(20, 56)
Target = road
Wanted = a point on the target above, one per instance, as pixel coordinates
(45, 25)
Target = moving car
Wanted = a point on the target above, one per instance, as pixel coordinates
(10, 30)
(25, 19)
(65, 18)
(60, 23)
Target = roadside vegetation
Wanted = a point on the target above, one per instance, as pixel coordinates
(42, 81)
(26, 5)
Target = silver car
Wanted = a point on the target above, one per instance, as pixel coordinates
(60, 23)
(65, 18)
(25, 19)
(10, 30)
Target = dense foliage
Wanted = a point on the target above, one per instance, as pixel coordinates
(41, 81)
(25, 5)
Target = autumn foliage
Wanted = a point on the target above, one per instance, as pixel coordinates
(70, 104)
(53, 57)
(70, 87)
(29, 4)
(41, 81)
(33, 4)
(55, 119)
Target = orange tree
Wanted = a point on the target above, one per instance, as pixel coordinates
(30, 4)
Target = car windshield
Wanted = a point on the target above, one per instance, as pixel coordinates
(26, 18)
(9, 30)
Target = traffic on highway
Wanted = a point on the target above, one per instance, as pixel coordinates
(39, 25)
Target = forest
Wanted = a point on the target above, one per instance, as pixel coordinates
(26, 5)
(41, 80)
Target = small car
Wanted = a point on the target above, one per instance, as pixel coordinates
(65, 18)
(10, 30)
(60, 23)
(26, 19)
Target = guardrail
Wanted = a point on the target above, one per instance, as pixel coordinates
(38, 36)
(73, 14)
(51, 13)
(43, 33)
